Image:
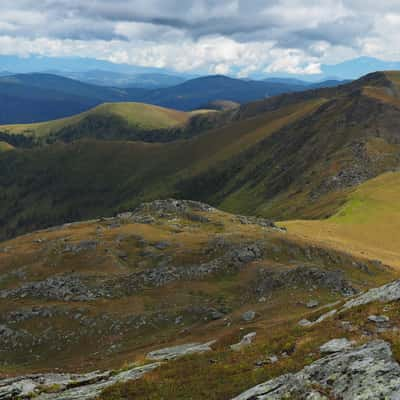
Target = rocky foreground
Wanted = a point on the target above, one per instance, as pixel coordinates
(363, 373)
(345, 370)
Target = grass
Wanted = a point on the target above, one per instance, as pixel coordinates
(41, 255)
(367, 225)
(143, 116)
(4, 146)
(228, 373)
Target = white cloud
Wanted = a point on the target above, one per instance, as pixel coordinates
(215, 36)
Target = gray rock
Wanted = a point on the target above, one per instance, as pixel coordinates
(171, 353)
(67, 386)
(273, 359)
(368, 372)
(323, 317)
(378, 319)
(162, 245)
(312, 304)
(215, 315)
(248, 316)
(84, 245)
(303, 275)
(335, 346)
(246, 341)
(386, 293)
(304, 322)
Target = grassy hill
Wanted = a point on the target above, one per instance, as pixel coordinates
(30, 98)
(134, 115)
(293, 156)
(4, 146)
(366, 225)
(169, 273)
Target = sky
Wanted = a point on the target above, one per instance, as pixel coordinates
(210, 36)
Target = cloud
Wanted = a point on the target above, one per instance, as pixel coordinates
(213, 36)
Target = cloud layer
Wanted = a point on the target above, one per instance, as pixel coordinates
(212, 36)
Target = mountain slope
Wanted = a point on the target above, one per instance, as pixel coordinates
(366, 225)
(170, 272)
(28, 98)
(196, 93)
(292, 156)
(40, 97)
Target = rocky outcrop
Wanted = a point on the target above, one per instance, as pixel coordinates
(386, 293)
(231, 262)
(368, 372)
(63, 287)
(303, 275)
(164, 208)
(67, 386)
(171, 353)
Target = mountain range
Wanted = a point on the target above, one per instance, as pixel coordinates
(37, 97)
(112, 74)
(243, 252)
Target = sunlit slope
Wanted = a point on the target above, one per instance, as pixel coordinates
(5, 146)
(367, 225)
(139, 115)
(119, 175)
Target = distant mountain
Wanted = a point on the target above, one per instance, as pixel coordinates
(124, 80)
(35, 63)
(197, 92)
(308, 85)
(28, 98)
(287, 81)
(39, 97)
(357, 67)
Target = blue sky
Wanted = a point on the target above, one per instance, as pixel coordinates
(240, 37)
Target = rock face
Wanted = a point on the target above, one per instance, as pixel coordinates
(364, 373)
(170, 353)
(67, 386)
(386, 293)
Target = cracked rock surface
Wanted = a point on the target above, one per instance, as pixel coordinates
(368, 372)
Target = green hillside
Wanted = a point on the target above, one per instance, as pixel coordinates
(293, 156)
(136, 115)
(5, 146)
(366, 225)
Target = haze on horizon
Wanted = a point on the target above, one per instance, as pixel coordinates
(234, 37)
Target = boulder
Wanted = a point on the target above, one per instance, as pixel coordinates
(335, 346)
(245, 342)
(248, 316)
(378, 319)
(312, 304)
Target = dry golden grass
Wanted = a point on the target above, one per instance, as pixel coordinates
(367, 226)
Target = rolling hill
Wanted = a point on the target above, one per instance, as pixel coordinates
(296, 155)
(366, 225)
(40, 97)
(108, 120)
